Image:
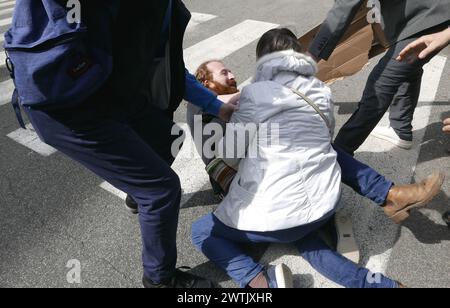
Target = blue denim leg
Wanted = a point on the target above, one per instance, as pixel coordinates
(221, 244)
(363, 179)
(337, 268)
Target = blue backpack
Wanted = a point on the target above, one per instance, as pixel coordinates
(54, 62)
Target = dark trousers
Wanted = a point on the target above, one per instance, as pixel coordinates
(391, 84)
(130, 150)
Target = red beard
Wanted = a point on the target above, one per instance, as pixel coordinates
(223, 90)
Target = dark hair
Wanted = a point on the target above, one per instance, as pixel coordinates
(277, 40)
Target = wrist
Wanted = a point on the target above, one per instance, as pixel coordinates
(446, 34)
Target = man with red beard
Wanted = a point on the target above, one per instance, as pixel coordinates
(219, 79)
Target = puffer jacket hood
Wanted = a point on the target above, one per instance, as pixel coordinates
(289, 61)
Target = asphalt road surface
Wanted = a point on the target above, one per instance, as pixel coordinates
(53, 211)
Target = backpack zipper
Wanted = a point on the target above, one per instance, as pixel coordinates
(64, 39)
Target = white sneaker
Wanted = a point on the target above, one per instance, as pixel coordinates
(279, 276)
(346, 244)
(389, 134)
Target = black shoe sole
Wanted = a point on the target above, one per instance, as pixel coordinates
(131, 206)
(446, 218)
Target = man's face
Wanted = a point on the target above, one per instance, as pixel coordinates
(223, 81)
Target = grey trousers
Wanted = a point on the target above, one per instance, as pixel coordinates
(192, 112)
(392, 84)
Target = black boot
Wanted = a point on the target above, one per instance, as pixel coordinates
(446, 218)
(181, 280)
(131, 205)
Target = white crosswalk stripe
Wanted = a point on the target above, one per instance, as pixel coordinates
(6, 4)
(6, 89)
(111, 189)
(5, 21)
(29, 138)
(6, 11)
(198, 19)
(2, 59)
(229, 42)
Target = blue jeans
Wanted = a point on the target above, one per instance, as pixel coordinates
(363, 179)
(222, 245)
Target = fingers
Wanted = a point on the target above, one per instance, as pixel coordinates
(231, 99)
(226, 111)
(427, 52)
(412, 49)
(446, 128)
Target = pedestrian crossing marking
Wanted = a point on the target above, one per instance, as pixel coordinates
(29, 138)
(6, 4)
(111, 189)
(225, 43)
(7, 87)
(198, 19)
(2, 60)
(5, 21)
(6, 11)
(431, 79)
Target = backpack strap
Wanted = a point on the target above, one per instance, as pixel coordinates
(314, 106)
(15, 100)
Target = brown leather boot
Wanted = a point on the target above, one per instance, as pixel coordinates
(403, 198)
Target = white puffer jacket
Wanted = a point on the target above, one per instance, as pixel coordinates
(298, 180)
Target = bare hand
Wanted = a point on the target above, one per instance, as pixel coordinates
(232, 99)
(226, 111)
(446, 128)
(425, 46)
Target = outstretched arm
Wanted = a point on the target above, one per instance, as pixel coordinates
(425, 46)
(334, 28)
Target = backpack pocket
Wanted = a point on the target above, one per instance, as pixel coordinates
(53, 61)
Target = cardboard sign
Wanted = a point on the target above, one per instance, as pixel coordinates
(361, 42)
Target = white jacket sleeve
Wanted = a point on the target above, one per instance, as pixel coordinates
(240, 132)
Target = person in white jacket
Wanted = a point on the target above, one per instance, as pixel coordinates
(291, 187)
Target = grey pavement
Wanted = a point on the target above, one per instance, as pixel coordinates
(53, 211)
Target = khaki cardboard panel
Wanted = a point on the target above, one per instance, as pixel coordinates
(361, 42)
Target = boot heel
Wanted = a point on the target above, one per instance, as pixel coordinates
(400, 217)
